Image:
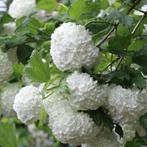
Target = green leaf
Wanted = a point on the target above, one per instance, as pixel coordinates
(5, 18)
(119, 42)
(18, 70)
(38, 70)
(7, 135)
(137, 44)
(28, 24)
(85, 9)
(116, 16)
(96, 27)
(49, 5)
(139, 81)
(123, 31)
(140, 57)
(101, 118)
(77, 8)
(24, 53)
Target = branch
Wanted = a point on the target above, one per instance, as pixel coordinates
(139, 23)
(136, 9)
(107, 36)
(115, 26)
(135, 4)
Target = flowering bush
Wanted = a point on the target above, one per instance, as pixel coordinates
(73, 73)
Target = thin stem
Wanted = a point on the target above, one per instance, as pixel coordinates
(98, 21)
(107, 35)
(136, 9)
(115, 26)
(136, 3)
(121, 59)
(139, 23)
(110, 64)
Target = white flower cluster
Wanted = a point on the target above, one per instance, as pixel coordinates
(72, 47)
(126, 105)
(7, 97)
(68, 125)
(85, 94)
(28, 104)
(129, 133)
(105, 139)
(6, 68)
(19, 8)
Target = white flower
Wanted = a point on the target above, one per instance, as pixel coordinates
(7, 98)
(6, 68)
(85, 94)
(19, 8)
(72, 47)
(124, 104)
(9, 28)
(143, 8)
(67, 125)
(28, 104)
(42, 15)
(55, 13)
(3, 6)
(106, 138)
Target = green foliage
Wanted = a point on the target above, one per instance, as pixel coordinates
(5, 18)
(48, 5)
(112, 33)
(116, 16)
(84, 9)
(38, 68)
(18, 70)
(119, 42)
(140, 56)
(7, 134)
(24, 53)
(101, 118)
(137, 142)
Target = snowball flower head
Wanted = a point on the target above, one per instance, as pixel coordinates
(67, 125)
(19, 8)
(6, 68)
(7, 98)
(85, 94)
(28, 104)
(104, 139)
(123, 104)
(72, 47)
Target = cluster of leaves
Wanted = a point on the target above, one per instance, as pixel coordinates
(117, 33)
